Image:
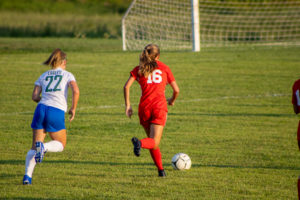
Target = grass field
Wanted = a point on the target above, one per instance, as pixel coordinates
(234, 118)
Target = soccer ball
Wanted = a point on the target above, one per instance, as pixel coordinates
(181, 161)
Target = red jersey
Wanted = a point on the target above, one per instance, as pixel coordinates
(296, 94)
(153, 87)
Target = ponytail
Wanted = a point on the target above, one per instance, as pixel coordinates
(148, 59)
(56, 58)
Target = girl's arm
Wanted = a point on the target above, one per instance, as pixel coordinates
(175, 93)
(75, 98)
(128, 109)
(36, 94)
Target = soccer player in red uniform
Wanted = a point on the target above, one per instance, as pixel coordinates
(153, 76)
(296, 104)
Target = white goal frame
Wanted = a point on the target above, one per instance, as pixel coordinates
(175, 24)
(195, 25)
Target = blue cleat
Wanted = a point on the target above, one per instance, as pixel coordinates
(26, 180)
(40, 151)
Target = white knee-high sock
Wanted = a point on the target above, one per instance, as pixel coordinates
(54, 146)
(30, 163)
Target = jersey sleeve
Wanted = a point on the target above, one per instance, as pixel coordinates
(170, 76)
(39, 81)
(71, 77)
(134, 72)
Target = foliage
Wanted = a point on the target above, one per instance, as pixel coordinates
(65, 6)
(16, 24)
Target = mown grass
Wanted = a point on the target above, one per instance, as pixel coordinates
(18, 24)
(233, 117)
(86, 7)
(67, 18)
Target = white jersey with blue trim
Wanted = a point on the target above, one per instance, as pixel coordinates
(54, 84)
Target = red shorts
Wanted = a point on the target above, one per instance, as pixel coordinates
(152, 116)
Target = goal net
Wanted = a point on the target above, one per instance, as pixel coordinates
(249, 22)
(170, 23)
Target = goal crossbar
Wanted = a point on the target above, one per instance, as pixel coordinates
(191, 24)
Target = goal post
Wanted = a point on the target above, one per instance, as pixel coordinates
(195, 25)
(186, 25)
(124, 26)
(167, 23)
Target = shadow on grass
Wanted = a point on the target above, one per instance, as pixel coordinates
(233, 114)
(194, 165)
(249, 167)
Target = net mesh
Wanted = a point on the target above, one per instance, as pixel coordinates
(238, 23)
(222, 23)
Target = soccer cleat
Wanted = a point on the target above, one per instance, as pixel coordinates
(162, 173)
(40, 151)
(137, 146)
(26, 180)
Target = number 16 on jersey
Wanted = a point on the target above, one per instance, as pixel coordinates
(155, 77)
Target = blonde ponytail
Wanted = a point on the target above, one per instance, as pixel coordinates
(148, 59)
(56, 58)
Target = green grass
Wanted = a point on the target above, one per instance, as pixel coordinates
(233, 117)
(18, 24)
(86, 7)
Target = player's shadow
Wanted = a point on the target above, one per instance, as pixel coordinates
(233, 114)
(248, 167)
(80, 162)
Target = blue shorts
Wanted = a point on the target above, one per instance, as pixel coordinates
(48, 118)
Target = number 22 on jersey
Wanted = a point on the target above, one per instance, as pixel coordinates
(57, 79)
(155, 77)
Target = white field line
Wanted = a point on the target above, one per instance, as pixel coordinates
(178, 101)
(234, 97)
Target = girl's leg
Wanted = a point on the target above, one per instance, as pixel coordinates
(154, 136)
(147, 130)
(58, 143)
(156, 133)
(38, 135)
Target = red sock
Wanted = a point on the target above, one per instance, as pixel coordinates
(148, 143)
(299, 188)
(156, 156)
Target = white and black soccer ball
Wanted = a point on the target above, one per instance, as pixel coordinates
(181, 161)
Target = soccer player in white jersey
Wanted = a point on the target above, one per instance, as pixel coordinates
(49, 115)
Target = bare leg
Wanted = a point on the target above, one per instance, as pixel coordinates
(156, 133)
(60, 136)
(147, 130)
(38, 135)
(58, 142)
